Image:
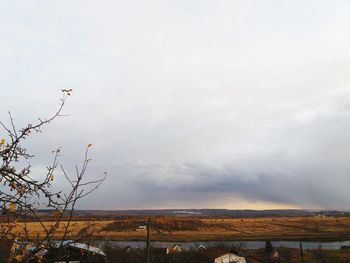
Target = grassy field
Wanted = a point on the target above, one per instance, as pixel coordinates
(177, 228)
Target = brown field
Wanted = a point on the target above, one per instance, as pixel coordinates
(177, 228)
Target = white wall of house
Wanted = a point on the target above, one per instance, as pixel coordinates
(230, 258)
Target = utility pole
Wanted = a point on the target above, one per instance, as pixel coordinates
(148, 240)
(301, 253)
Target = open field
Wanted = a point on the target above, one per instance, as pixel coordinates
(192, 228)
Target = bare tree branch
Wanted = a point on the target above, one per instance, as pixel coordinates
(22, 196)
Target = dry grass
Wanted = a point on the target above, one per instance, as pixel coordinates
(192, 228)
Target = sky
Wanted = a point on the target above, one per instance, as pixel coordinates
(240, 104)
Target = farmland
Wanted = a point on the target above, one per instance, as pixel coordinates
(197, 228)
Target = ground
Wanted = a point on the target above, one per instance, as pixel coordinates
(192, 228)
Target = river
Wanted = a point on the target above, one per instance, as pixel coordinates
(247, 244)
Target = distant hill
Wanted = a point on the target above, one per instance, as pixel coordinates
(208, 212)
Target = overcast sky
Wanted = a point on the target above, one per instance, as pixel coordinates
(188, 103)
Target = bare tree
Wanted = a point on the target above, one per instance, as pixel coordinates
(23, 195)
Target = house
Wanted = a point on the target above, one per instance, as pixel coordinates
(230, 258)
(275, 256)
(141, 228)
(201, 247)
(58, 252)
(218, 255)
(173, 249)
(128, 249)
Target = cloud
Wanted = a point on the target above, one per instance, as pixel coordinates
(187, 103)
